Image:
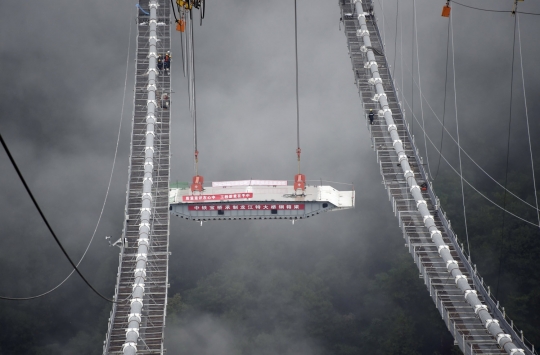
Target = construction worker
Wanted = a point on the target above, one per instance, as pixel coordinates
(371, 116)
(160, 62)
(167, 61)
(165, 100)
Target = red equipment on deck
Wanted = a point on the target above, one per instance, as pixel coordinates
(197, 184)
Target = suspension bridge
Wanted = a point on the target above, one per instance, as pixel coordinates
(138, 316)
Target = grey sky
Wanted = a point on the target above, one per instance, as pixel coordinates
(63, 67)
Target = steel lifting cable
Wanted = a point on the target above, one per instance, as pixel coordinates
(457, 129)
(106, 193)
(527, 120)
(465, 180)
(298, 150)
(194, 98)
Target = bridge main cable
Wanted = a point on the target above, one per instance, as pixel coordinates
(492, 325)
(134, 317)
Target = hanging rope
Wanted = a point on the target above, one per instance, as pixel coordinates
(457, 129)
(420, 87)
(106, 193)
(395, 41)
(468, 182)
(298, 150)
(527, 119)
(444, 103)
(507, 156)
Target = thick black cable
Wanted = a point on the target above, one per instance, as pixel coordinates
(296, 57)
(507, 159)
(46, 223)
(444, 104)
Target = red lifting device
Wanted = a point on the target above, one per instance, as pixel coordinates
(446, 10)
(198, 180)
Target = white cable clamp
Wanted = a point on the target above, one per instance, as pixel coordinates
(380, 113)
(408, 174)
(374, 81)
(153, 21)
(151, 87)
(517, 350)
(377, 97)
(149, 163)
(144, 224)
(151, 148)
(142, 256)
(386, 109)
(137, 316)
(136, 330)
(459, 277)
(129, 344)
(363, 49)
(153, 5)
(153, 102)
(436, 231)
(148, 178)
(441, 247)
(480, 307)
(144, 241)
(396, 142)
(143, 271)
(146, 209)
(140, 284)
(152, 54)
(355, 1)
(490, 321)
(421, 202)
(501, 336)
(136, 300)
(150, 118)
(362, 33)
(370, 64)
(450, 262)
(468, 292)
(414, 187)
(361, 15)
(147, 195)
(152, 70)
(151, 132)
(393, 127)
(426, 217)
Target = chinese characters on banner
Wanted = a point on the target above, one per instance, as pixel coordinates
(245, 207)
(218, 197)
